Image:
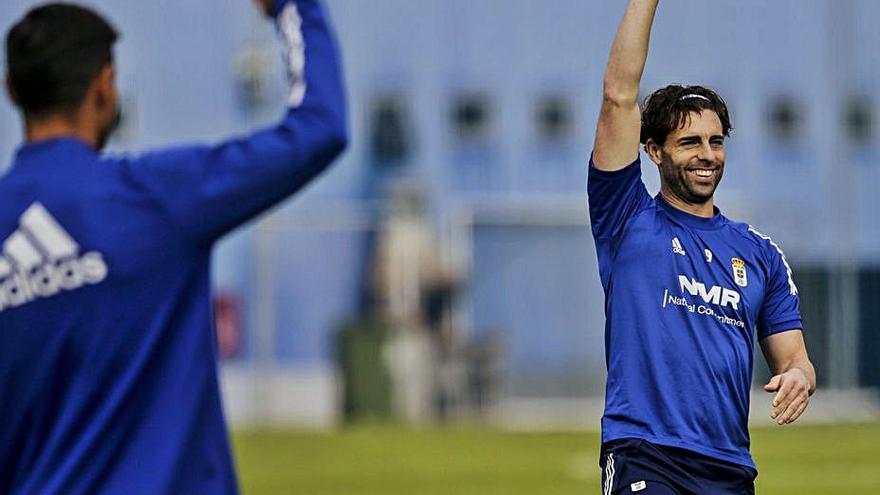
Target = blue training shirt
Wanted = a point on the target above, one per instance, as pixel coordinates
(108, 361)
(685, 299)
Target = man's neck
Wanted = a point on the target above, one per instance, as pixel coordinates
(58, 127)
(706, 210)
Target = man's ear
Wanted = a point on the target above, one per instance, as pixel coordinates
(10, 92)
(104, 86)
(654, 151)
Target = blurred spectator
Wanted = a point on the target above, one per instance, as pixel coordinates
(412, 287)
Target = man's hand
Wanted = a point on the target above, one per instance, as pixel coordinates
(265, 6)
(792, 395)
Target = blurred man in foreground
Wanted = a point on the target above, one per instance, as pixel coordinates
(107, 355)
(687, 291)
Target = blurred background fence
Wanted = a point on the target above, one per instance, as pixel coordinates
(486, 108)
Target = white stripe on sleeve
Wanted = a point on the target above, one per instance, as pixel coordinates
(792, 287)
(290, 25)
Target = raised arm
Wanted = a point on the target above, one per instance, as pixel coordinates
(209, 190)
(617, 134)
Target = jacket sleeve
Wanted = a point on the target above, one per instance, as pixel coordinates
(209, 190)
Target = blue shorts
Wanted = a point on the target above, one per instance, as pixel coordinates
(633, 465)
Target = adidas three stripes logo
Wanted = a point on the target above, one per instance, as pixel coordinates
(40, 259)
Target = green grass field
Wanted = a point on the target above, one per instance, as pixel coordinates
(824, 460)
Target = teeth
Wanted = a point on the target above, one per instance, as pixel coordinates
(704, 173)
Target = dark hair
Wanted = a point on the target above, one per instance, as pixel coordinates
(53, 54)
(669, 108)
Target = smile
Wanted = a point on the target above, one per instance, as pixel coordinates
(702, 173)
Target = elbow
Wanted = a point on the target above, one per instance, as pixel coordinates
(335, 137)
(620, 95)
(338, 140)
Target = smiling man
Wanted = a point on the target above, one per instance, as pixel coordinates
(688, 291)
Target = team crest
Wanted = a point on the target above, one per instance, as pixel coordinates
(739, 272)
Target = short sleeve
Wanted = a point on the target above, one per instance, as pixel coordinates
(781, 308)
(614, 197)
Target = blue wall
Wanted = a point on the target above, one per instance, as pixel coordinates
(814, 193)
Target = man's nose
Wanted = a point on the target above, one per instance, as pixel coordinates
(706, 153)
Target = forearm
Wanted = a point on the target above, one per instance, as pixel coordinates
(312, 62)
(629, 52)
